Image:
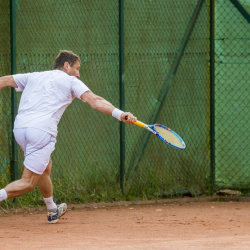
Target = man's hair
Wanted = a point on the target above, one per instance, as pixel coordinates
(65, 56)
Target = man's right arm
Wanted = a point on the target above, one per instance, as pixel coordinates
(7, 81)
(102, 105)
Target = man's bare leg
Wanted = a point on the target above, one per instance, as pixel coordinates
(45, 183)
(26, 184)
(46, 188)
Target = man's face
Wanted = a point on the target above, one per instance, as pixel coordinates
(74, 70)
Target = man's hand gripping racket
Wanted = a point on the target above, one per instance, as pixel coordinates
(166, 134)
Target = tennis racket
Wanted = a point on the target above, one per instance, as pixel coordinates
(164, 133)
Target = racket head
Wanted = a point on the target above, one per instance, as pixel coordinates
(168, 136)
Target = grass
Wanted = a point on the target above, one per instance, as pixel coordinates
(94, 185)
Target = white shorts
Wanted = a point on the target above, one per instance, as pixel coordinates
(37, 146)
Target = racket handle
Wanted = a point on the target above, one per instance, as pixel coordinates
(138, 123)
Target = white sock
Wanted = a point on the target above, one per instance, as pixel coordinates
(50, 203)
(3, 195)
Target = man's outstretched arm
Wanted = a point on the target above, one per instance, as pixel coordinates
(102, 105)
(7, 81)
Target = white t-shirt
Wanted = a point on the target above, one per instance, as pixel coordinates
(45, 97)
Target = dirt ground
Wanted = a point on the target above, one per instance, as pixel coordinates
(170, 224)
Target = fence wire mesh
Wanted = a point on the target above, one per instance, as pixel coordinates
(5, 95)
(86, 161)
(232, 94)
(154, 34)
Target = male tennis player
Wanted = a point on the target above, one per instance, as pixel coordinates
(45, 97)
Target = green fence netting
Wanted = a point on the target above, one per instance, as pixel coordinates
(5, 95)
(166, 50)
(232, 94)
(154, 34)
(86, 159)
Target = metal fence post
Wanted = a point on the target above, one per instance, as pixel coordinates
(14, 158)
(212, 96)
(122, 90)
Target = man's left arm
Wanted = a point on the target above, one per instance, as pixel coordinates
(7, 81)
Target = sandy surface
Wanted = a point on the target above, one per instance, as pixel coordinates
(171, 225)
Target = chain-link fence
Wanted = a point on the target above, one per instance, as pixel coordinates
(155, 34)
(86, 159)
(232, 94)
(5, 95)
(167, 80)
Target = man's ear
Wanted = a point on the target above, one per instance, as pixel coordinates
(66, 66)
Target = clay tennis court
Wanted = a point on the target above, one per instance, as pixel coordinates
(170, 224)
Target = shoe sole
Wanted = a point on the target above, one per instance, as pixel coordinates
(53, 222)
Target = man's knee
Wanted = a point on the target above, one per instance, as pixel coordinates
(29, 185)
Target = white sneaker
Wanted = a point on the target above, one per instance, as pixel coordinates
(53, 217)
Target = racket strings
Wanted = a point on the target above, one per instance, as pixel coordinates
(169, 136)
